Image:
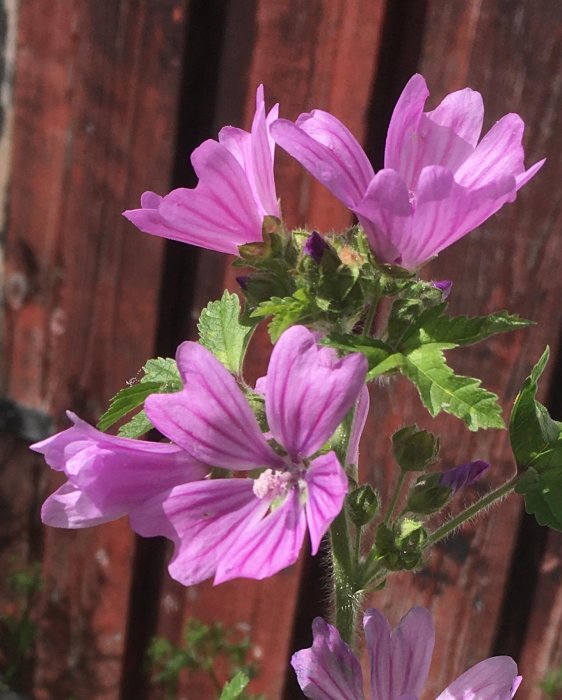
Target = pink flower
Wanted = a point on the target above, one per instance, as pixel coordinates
(107, 476)
(438, 182)
(235, 191)
(399, 664)
(253, 527)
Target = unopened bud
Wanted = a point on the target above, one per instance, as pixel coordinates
(362, 505)
(415, 450)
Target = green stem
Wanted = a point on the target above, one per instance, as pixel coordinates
(395, 497)
(347, 598)
(490, 498)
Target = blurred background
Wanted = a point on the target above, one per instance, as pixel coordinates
(102, 99)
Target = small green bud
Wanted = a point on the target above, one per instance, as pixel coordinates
(400, 547)
(362, 505)
(415, 450)
(427, 495)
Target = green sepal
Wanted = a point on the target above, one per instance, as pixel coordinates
(415, 450)
(362, 505)
(400, 547)
(427, 495)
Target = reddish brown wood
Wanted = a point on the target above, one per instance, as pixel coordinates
(85, 320)
(512, 261)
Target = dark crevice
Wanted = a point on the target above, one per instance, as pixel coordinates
(530, 546)
(201, 61)
(399, 55)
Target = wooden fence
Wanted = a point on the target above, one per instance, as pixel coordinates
(108, 99)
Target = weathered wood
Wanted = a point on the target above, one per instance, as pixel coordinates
(84, 318)
(512, 261)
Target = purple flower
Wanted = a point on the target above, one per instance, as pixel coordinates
(399, 664)
(438, 183)
(253, 527)
(444, 286)
(315, 246)
(463, 475)
(235, 191)
(107, 476)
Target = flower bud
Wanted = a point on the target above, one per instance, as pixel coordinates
(415, 450)
(362, 505)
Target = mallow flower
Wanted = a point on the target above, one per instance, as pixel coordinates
(439, 180)
(254, 526)
(400, 660)
(108, 476)
(235, 191)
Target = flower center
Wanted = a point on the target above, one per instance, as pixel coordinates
(272, 484)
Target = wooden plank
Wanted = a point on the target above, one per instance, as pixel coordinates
(512, 261)
(86, 320)
(313, 54)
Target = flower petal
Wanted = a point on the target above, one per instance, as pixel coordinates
(499, 153)
(329, 670)
(399, 660)
(309, 391)
(265, 548)
(326, 489)
(385, 214)
(204, 520)
(359, 420)
(68, 507)
(113, 475)
(329, 151)
(402, 141)
(493, 679)
(462, 112)
(210, 418)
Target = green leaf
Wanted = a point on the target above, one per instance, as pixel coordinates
(441, 389)
(374, 350)
(137, 426)
(235, 687)
(286, 312)
(221, 332)
(159, 375)
(536, 441)
(125, 401)
(464, 330)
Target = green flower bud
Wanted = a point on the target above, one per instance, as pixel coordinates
(428, 495)
(362, 505)
(415, 450)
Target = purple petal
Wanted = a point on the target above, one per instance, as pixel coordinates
(445, 212)
(265, 548)
(444, 287)
(463, 475)
(499, 153)
(385, 214)
(210, 418)
(399, 660)
(493, 679)
(525, 176)
(329, 670)
(315, 246)
(204, 520)
(359, 420)
(309, 391)
(326, 487)
(109, 476)
(463, 113)
(401, 141)
(329, 151)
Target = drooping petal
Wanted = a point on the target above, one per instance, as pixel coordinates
(399, 660)
(446, 211)
(385, 214)
(204, 520)
(359, 420)
(329, 151)
(499, 153)
(329, 670)
(309, 391)
(210, 418)
(68, 507)
(110, 475)
(493, 679)
(401, 141)
(269, 546)
(326, 489)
